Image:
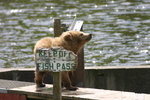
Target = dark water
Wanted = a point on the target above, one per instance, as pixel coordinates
(120, 29)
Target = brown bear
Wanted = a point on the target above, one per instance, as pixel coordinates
(70, 40)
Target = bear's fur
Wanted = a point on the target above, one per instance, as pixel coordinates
(70, 40)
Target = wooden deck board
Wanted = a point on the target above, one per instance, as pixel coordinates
(81, 94)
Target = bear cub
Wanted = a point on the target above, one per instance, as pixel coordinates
(70, 40)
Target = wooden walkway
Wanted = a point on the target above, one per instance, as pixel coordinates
(29, 89)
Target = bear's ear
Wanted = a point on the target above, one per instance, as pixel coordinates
(68, 37)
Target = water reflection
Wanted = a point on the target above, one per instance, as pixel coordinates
(120, 29)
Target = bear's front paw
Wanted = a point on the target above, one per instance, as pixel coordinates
(72, 88)
(40, 85)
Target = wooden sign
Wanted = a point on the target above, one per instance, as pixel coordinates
(55, 59)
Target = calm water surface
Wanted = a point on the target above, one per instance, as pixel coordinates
(120, 28)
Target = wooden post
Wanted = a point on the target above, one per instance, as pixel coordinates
(57, 28)
(57, 75)
(57, 86)
(79, 73)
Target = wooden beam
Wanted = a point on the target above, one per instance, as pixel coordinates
(57, 75)
(57, 28)
(79, 73)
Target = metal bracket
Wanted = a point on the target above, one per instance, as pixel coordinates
(76, 26)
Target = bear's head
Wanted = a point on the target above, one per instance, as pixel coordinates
(75, 39)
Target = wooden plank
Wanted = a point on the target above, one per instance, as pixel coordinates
(30, 90)
(80, 94)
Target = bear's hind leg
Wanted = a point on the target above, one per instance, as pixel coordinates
(67, 82)
(71, 75)
(39, 76)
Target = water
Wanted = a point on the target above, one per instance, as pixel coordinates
(120, 29)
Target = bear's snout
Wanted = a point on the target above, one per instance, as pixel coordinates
(89, 37)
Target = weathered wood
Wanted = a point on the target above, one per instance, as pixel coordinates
(80, 94)
(57, 28)
(124, 78)
(57, 75)
(57, 86)
(79, 73)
